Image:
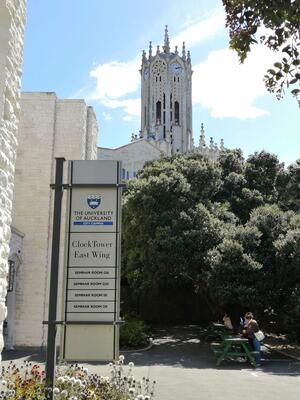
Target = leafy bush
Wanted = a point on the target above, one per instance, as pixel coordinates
(73, 382)
(134, 334)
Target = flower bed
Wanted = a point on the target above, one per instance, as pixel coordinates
(73, 382)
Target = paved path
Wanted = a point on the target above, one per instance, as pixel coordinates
(184, 370)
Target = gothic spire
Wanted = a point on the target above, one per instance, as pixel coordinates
(202, 137)
(166, 45)
(150, 50)
(144, 58)
(188, 57)
(183, 51)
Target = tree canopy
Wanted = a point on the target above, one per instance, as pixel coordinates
(228, 230)
(275, 24)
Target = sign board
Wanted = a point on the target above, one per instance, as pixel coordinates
(92, 262)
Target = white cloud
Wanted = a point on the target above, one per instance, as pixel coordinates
(229, 88)
(131, 107)
(106, 116)
(115, 79)
(200, 31)
(127, 118)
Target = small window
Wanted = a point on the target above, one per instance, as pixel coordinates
(164, 101)
(158, 112)
(176, 106)
(134, 174)
(127, 175)
(164, 132)
(123, 173)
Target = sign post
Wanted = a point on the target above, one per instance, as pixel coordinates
(92, 262)
(51, 346)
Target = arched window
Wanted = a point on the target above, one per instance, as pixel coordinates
(176, 106)
(127, 175)
(158, 112)
(123, 173)
(164, 101)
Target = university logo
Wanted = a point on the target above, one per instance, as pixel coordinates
(93, 200)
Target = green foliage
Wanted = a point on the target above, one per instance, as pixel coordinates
(134, 334)
(275, 24)
(226, 230)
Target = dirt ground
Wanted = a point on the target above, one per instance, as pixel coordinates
(281, 343)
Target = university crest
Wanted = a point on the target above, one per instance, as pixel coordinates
(93, 200)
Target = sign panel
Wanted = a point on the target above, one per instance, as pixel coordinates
(92, 272)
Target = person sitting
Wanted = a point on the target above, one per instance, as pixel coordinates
(227, 321)
(250, 327)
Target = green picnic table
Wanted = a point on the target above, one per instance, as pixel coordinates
(217, 331)
(233, 348)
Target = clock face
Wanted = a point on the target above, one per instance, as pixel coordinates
(146, 73)
(176, 68)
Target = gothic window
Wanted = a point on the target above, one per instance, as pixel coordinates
(164, 117)
(159, 67)
(123, 173)
(127, 175)
(171, 100)
(164, 101)
(176, 104)
(164, 132)
(171, 116)
(174, 79)
(158, 112)
(159, 78)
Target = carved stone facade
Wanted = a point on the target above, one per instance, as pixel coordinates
(49, 127)
(12, 21)
(166, 112)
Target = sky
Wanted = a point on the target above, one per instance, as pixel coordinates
(91, 49)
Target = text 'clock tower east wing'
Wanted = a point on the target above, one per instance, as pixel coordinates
(166, 114)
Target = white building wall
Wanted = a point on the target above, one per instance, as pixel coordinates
(133, 156)
(12, 20)
(49, 128)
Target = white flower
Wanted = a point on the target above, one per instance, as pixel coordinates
(72, 380)
(140, 397)
(4, 383)
(85, 370)
(60, 379)
(121, 358)
(64, 393)
(131, 364)
(131, 390)
(56, 390)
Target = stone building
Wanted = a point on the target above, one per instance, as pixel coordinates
(12, 21)
(166, 112)
(49, 127)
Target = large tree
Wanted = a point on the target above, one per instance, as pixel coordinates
(275, 24)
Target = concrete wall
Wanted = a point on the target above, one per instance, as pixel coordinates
(49, 128)
(12, 20)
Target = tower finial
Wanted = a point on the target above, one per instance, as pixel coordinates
(144, 58)
(150, 50)
(176, 49)
(202, 143)
(183, 51)
(157, 49)
(166, 46)
(188, 57)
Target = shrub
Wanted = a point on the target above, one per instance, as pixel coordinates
(134, 334)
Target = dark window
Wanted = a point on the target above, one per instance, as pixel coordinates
(158, 112)
(127, 175)
(164, 117)
(164, 132)
(171, 100)
(160, 79)
(171, 116)
(11, 276)
(164, 101)
(123, 173)
(176, 104)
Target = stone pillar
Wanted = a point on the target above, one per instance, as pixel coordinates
(12, 21)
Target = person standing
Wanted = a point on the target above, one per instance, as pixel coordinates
(250, 328)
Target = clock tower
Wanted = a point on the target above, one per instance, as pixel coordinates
(166, 114)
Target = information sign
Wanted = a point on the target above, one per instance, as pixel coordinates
(92, 262)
